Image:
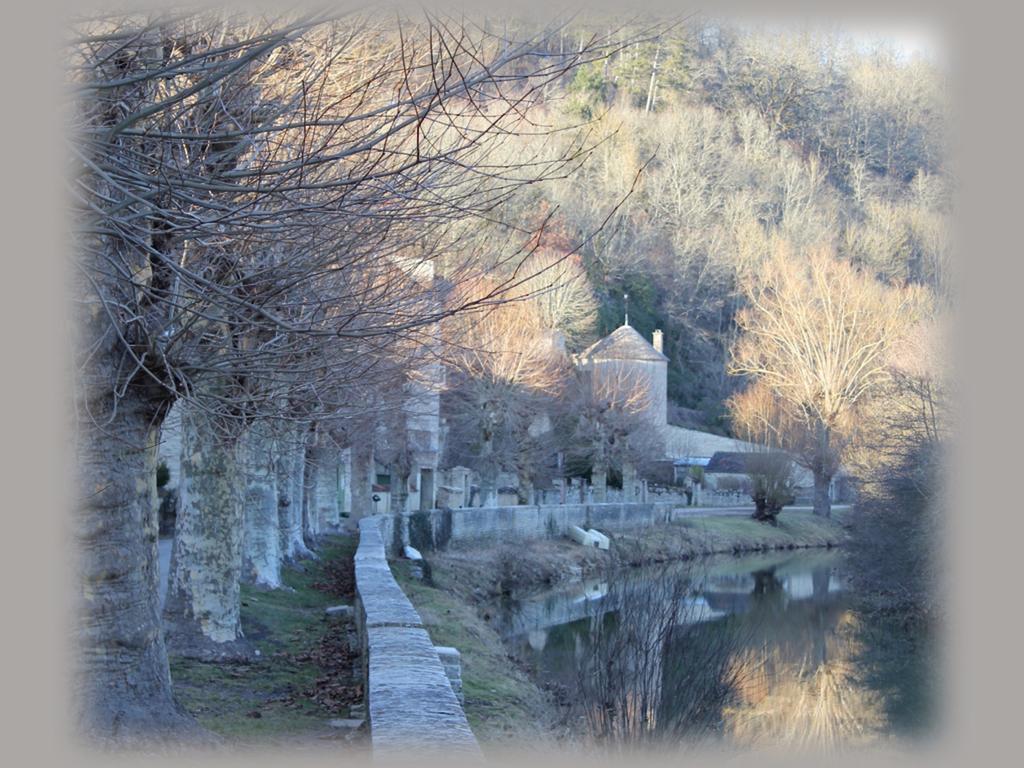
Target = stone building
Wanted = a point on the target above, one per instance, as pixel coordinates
(625, 358)
(412, 482)
(424, 436)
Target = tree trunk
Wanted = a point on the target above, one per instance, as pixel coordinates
(323, 491)
(400, 489)
(524, 492)
(362, 480)
(290, 466)
(122, 682)
(488, 474)
(822, 502)
(822, 473)
(203, 605)
(262, 540)
(310, 518)
(121, 688)
(345, 481)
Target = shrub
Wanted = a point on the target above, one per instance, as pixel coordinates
(771, 480)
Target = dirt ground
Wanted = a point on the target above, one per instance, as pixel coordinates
(306, 673)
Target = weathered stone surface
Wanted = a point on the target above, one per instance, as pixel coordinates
(343, 611)
(413, 699)
(411, 702)
(580, 536)
(481, 524)
(601, 541)
(411, 553)
(451, 660)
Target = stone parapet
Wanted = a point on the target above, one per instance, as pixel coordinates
(412, 704)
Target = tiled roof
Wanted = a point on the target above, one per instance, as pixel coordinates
(624, 343)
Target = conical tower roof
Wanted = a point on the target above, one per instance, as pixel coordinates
(624, 343)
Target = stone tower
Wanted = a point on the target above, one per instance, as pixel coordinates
(625, 354)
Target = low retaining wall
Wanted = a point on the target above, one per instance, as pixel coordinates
(410, 702)
(436, 529)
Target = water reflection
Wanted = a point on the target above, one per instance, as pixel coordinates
(761, 650)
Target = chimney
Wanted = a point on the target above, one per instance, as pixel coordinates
(657, 340)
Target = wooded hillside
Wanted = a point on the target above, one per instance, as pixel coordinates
(716, 138)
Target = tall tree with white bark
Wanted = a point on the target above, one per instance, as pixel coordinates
(816, 333)
(244, 189)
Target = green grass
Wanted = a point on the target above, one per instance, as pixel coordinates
(798, 528)
(226, 698)
(502, 703)
(695, 536)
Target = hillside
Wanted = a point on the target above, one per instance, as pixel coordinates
(739, 137)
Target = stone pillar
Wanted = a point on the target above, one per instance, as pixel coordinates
(451, 660)
(426, 489)
(628, 482)
(600, 480)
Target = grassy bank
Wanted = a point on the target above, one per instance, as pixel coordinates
(698, 536)
(303, 676)
(503, 704)
(504, 707)
(479, 574)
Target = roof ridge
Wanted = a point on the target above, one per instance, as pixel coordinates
(623, 342)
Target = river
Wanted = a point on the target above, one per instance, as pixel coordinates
(759, 650)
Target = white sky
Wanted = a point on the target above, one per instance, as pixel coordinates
(908, 39)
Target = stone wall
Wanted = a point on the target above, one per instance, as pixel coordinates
(410, 701)
(436, 529)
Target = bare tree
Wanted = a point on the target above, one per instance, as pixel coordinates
(250, 193)
(647, 673)
(816, 333)
(505, 363)
(202, 611)
(559, 290)
(901, 460)
(605, 427)
(760, 417)
(771, 480)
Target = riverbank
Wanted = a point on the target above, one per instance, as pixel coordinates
(305, 674)
(503, 704)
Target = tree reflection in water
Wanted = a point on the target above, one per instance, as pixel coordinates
(768, 657)
(815, 701)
